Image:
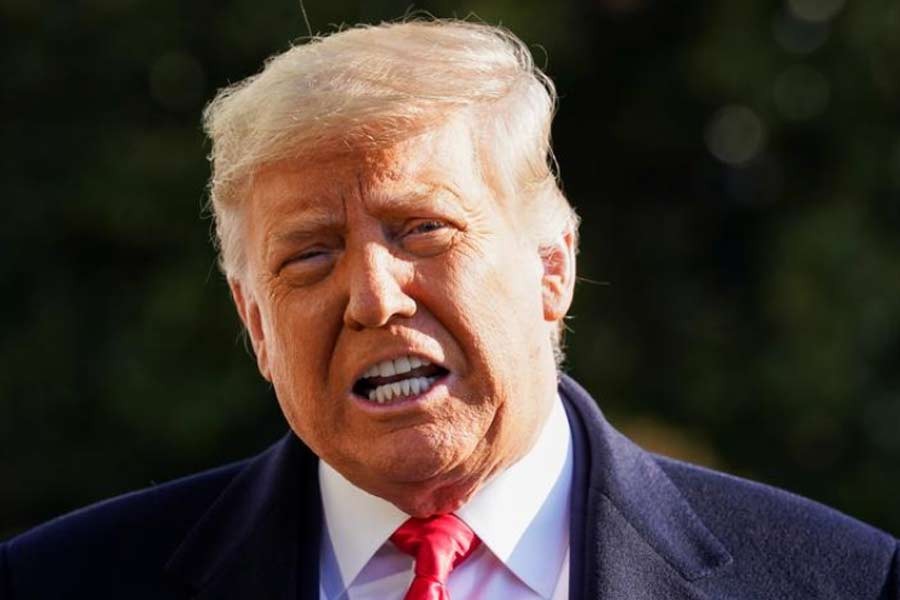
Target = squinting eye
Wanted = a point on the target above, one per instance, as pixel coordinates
(308, 267)
(311, 258)
(428, 237)
(427, 227)
(309, 255)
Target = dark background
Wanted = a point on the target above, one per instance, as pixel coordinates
(736, 164)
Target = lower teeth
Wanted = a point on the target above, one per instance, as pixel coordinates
(408, 387)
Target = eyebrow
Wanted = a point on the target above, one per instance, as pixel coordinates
(445, 196)
(309, 223)
(315, 221)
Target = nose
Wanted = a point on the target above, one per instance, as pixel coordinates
(376, 289)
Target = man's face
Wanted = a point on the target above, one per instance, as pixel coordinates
(402, 261)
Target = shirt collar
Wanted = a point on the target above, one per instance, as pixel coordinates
(522, 515)
(345, 507)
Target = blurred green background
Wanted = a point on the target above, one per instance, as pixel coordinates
(736, 164)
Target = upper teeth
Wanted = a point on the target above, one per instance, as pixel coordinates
(398, 366)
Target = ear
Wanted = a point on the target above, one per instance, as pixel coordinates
(558, 282)
(248, 310)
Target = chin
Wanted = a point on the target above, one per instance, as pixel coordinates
(420, 482)
(423, 466)
(435, 500)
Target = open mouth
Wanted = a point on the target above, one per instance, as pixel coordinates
(398, 379)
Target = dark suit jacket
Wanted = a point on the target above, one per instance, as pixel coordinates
(643, 527)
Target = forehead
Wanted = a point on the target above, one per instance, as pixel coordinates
(440, 164)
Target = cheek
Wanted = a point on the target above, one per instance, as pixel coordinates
(499, 292)
(302, 326)
(302, 341)
(490, 303)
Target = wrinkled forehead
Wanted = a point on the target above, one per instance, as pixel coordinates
(442, 162)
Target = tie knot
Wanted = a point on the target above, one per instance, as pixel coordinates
(438, 544)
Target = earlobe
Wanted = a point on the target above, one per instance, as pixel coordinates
(558, 283)
(248, 310)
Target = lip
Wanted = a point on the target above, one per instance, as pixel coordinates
(436, 393)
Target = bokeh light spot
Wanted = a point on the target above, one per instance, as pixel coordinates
(816, 10)
(735, 135)
(798, 36)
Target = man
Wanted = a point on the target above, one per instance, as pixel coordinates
(402, 258)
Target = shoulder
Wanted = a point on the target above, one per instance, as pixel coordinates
(786, 540)
(730, 537)
(122, 542)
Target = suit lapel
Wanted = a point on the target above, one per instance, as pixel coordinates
(633, 534)
(260, 539)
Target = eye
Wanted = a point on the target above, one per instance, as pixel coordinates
(427, 237)
(308, 255)
(425, 226)
(308, 266)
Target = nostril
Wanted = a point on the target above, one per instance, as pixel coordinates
(353, 324)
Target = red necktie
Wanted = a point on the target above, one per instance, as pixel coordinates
(438, 544)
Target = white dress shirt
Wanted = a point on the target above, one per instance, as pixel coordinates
(521, 517)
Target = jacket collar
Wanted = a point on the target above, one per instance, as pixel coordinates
(633, 533)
